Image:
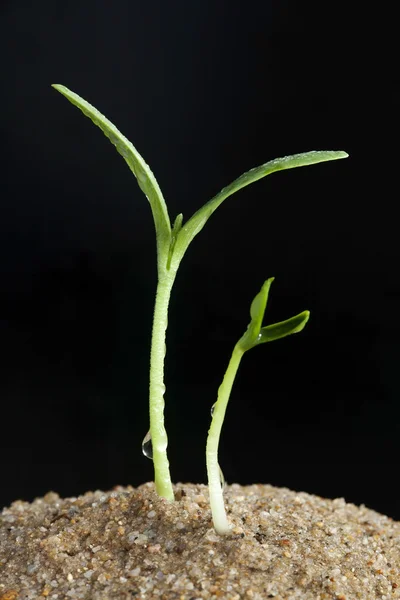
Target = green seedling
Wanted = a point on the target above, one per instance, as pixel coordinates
(254, 336)
(172, 243)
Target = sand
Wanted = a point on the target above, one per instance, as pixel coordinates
(130, 544)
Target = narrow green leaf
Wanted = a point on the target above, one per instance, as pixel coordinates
(196, 223)
(256, 334)
(145, 178)
(269, 333)
(175, 230)
(259, 304)
(177, 224)
(257, 310)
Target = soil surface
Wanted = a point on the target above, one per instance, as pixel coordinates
(130, 544)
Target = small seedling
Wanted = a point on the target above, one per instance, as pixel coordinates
(254, 336)
(172, 243)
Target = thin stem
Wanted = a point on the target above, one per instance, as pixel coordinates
(158, 434)
(219, 517)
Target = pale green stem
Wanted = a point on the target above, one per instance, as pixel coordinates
(158, 434)
(219, 517)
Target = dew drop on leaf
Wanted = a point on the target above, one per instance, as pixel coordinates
(147, 446)
(212, 409)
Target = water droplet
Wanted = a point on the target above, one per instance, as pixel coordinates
(212, 409)
(147, 446)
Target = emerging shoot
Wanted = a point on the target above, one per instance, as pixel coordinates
(172, 243)
(254, 335)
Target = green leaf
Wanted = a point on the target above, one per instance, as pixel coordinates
(259, 304)
(175, 230)
(145, 178)
(257, 310)
(196, 223)
(177, 224)
(256, 334)
(269, 333)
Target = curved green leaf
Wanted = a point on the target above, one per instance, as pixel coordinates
(145, 178)
(269, 333)
(256, 334)
(196, 223)
(259, 304)
(257, 310)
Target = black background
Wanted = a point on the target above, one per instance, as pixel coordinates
(205, 90)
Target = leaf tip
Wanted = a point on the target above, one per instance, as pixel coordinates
(304, 317)
(59, 87)
(268, 282)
